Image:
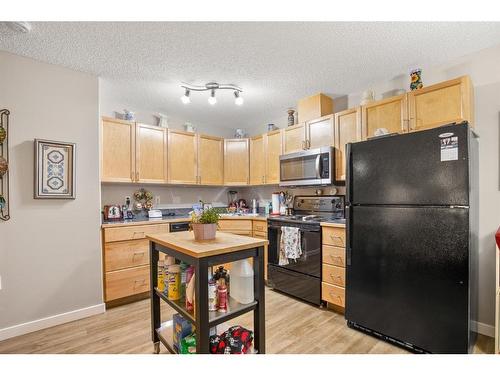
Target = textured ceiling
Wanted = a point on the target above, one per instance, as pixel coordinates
(275, 63)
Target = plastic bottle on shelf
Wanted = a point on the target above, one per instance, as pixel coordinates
(242, 281)
(222, 296)
(161, 276)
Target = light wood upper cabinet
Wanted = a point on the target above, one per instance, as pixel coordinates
(319, 132)
(117, 150)
(347, 129)
(441, 104)
(210, 160)
(273, 141)
(390, 113)
(294, 138)
(182, 157)
(257, 160)
(150, 154)
(236, 162)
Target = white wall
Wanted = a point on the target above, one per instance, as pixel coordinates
(50, 257)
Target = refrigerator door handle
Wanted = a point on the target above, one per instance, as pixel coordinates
(348, 174)
(348, 235)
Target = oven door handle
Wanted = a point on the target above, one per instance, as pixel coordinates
(278, 226)
(318, 166)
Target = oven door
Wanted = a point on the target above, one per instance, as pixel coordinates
(310, 261)
(306, 168)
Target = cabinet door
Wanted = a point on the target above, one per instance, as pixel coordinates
(319, 132)
(390, 113)
(150, 154)
(210, 160)
(441, 104)
(294, 138)
(236, 162)
(347, 129)
(182, 157)
(273, 141)
(117, 150)
(257, 161)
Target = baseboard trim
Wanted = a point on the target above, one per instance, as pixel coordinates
(50, 321)
(483, 328)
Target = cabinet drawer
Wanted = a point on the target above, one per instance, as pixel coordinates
(118, 255)
(135, 232)
(235, 225)
(333, 294)
(260, 226)
(334, 255)
(333, 275)
(240, 232)
(260, 234)
(127, 282)
(334, 236)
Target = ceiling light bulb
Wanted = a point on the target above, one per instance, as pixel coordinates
(238, 100)
(185, 98)
(212, 99)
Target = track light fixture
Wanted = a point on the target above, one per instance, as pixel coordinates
(212, 86)
(212, 99)
(185, 98)
(238, 100)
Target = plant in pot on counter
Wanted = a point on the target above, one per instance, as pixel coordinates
(204, 223)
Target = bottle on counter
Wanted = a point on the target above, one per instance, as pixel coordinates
(174, 282)
(212, 294)
(242, 281)
(161, 276)
(190, 280)
(222, 296)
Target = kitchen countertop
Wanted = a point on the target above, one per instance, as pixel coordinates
(222, 244)
(172, 219)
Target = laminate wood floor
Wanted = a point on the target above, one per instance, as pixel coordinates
(291, 327)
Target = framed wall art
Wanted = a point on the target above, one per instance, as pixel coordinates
(54, 170)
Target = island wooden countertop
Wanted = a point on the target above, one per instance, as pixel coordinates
(223, 243)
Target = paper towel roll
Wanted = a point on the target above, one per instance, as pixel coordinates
(276, 203)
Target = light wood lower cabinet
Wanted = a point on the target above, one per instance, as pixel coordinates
(126, 259)
(117, 150)
(119, 255)
(333, 274)
(236, 226)
(126, 282)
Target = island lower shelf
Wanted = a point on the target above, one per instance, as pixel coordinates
(234, 309)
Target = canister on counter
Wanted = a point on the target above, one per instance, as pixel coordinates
(174, 282)
(161, 276)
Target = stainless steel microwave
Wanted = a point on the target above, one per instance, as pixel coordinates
(308, 167)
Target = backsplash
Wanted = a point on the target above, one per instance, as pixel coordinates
(170, 196)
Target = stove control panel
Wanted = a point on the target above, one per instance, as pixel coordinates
(326, 203)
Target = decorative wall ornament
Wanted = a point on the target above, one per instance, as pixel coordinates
(4, 165)
(54, 170)
(416, 79)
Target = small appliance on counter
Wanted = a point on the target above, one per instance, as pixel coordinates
(154, 214)
(301, 278)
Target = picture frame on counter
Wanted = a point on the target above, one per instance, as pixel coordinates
(55, 176)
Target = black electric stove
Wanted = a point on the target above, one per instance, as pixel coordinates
(301, 278)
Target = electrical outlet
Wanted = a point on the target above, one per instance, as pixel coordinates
(157, 200)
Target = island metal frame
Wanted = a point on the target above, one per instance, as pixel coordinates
(203, 319)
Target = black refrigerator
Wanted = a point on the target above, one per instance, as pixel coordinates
(411, 210)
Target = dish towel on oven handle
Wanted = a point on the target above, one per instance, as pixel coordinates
(289, 245)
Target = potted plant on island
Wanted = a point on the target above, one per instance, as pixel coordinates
(204, 224)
